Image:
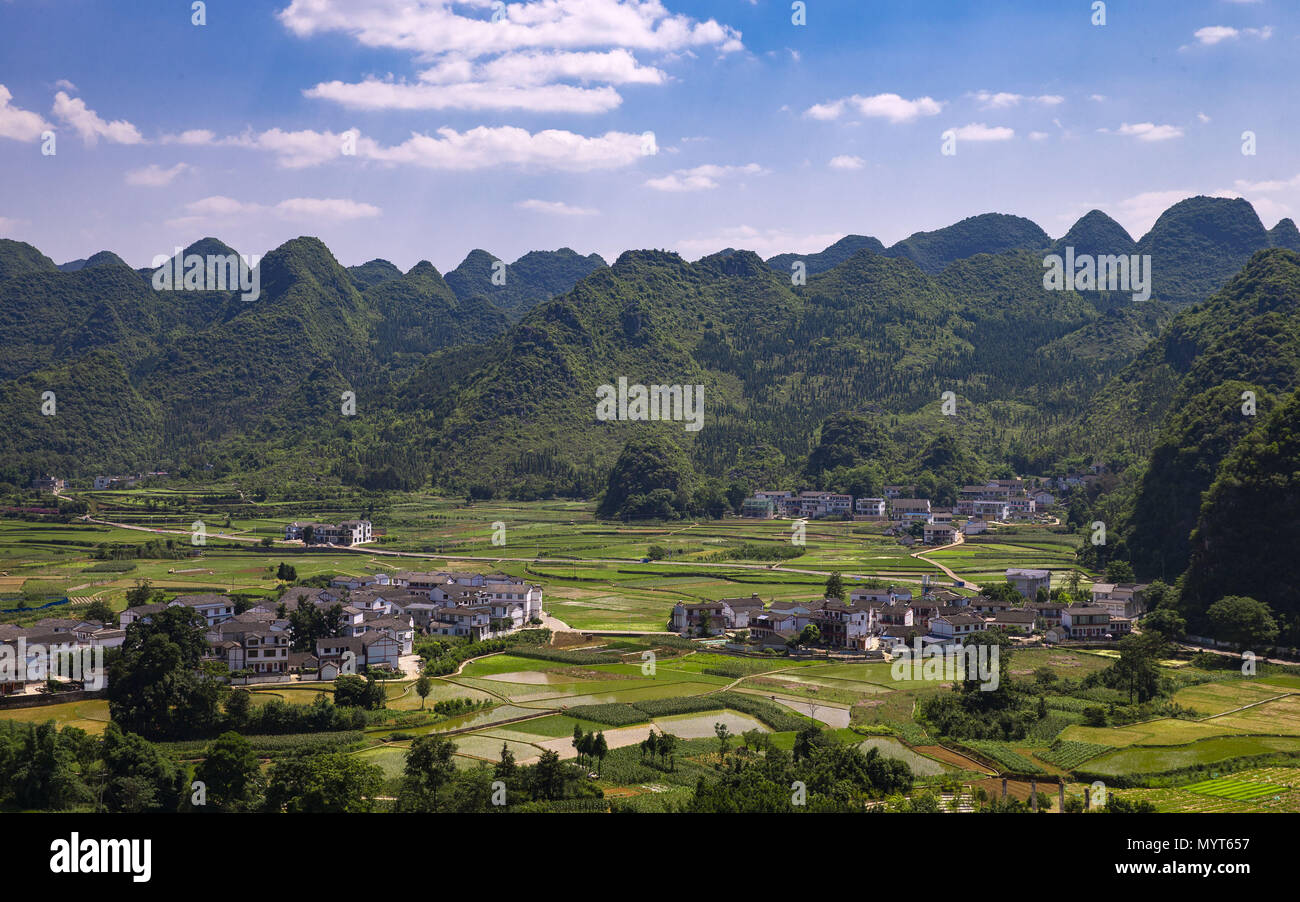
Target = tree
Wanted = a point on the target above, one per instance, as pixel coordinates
(1119, 572)
(1160, 595)
(835, 585)
(229, 770)
(1243, 621)
(308, 534)
(810, 635)
(39, 767)
(309, 622)
(548, 776)
(423, 686)
(723, 732)
(101, 611)
(324, 783)
(155, 687)
(143, 593)
(1137, 669)
(668, 749)
(430, 765)
(140, 777)
(237, 706)
(600, 749)
(1166, 622)
(351, 691)
(505, 769)
(286, 573)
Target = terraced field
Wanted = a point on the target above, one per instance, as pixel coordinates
(1234, 789)
(1139, 760)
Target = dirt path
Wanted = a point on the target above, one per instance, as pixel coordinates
(921, 556)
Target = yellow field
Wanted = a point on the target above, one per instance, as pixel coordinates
(90, 715)
(1216, 698)
(1280, 717)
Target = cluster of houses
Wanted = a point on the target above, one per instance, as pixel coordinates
(999, 500)
(21, 645)
(380, 616)
(880, 619)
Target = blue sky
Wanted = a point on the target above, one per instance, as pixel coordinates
(529, 132)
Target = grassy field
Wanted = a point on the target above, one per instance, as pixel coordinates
(591, 571)
(594, 578)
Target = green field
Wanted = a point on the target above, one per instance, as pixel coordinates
(594, 579)
(591, 571)
(1228, 788)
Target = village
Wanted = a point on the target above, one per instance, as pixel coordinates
(977, 507)
(370, 626)
(880, 622)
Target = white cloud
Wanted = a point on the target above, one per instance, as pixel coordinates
(431, 27)
(1216, 34)
(1138, 213)
(65, 85)
(701, 178)
(1149, 131)
(615, 67)
(878, 106)
(978, 131)
(195, 137)
(1267, 186)
(374, 94)
(1003, 100)
(483, 147)
(87, 123)
(556, 207)
(520, 62)
(825, 111)
(327, 209)
(154, 176)
(1202, 117)
(315, 210)
(1097, 98)
(19, 124)
(847, 161)
(1038, 136)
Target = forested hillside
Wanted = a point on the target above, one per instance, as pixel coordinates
(471, 385)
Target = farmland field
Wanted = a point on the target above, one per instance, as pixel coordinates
(1228, 788)
(595, 579)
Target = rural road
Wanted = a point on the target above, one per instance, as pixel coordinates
(921, 556)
